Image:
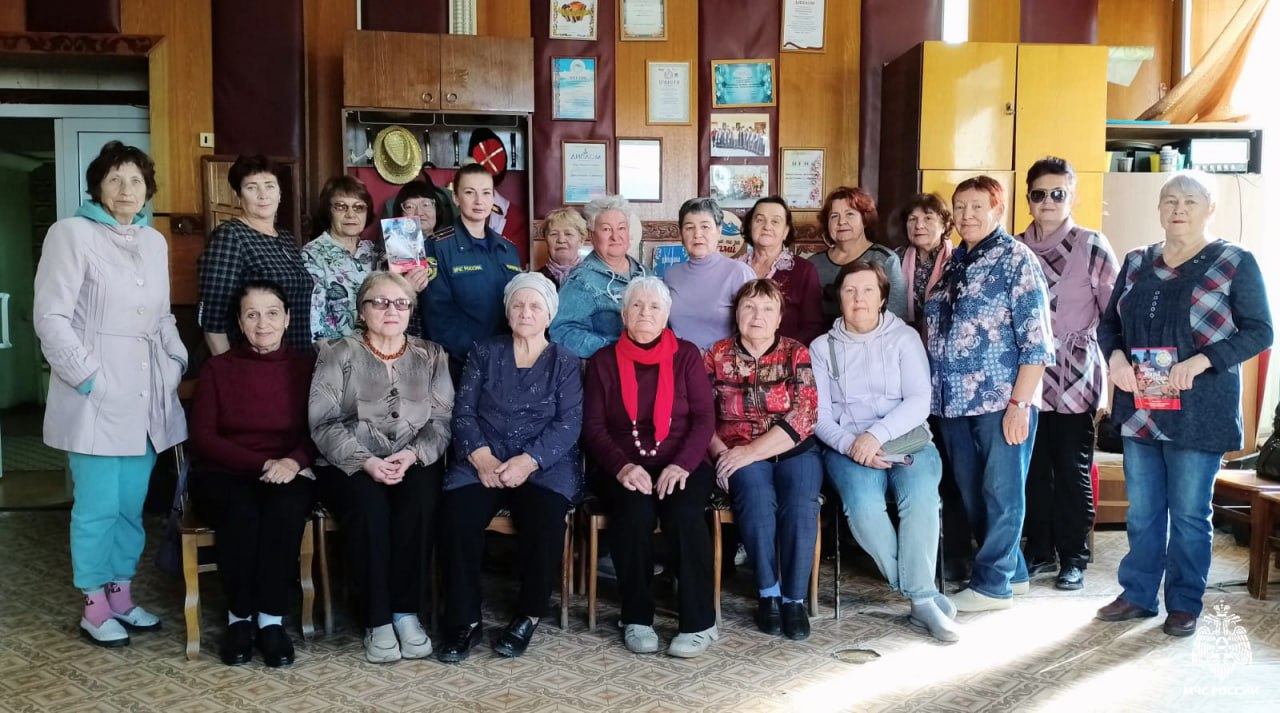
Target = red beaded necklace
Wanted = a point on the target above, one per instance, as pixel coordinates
(386, 357)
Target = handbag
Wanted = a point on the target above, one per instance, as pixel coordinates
(909, 442)
(169, 550)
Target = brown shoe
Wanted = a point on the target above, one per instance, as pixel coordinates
(1180, 623)
(1120, 610)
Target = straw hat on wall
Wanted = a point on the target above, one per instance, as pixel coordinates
(397, 155)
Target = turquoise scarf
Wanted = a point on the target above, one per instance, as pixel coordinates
(98, 214)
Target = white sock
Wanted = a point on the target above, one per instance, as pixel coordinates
(232, 618)
(940, 626)
(265, 620)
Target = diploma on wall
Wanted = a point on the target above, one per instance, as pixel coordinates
(804, 25)
(1151, 366)
(642, 20)
(585, 171)
(803, 172)
(667, 93)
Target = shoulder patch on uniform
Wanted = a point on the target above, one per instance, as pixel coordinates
(433, 269)
(467, 268)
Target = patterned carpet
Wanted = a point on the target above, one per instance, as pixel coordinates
(25, 453)
(1045, 654)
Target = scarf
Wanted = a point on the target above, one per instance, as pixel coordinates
(629, 354)
(785, 261)
(558, 271)
(909, 272)
(98, 214)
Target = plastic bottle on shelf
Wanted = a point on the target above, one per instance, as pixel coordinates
(1168, 159)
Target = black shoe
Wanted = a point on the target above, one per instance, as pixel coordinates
(769, 615)
(1037, 565)
(457, 643)
(955, 569)
(515, 639)
(275, 646)
(237, 644)
(795, 621)
(1070, 578)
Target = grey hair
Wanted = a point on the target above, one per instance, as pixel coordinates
(1191, 182)
(647, 283)
(598, 206)
(701, 205)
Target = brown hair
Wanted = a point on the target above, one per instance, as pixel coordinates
(344, 185)
(930, 203)
(760, 287)
(861, 202)
(115, 154)
(865, 266)
(985, 184)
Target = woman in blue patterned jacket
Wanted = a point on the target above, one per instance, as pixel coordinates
(990, 339)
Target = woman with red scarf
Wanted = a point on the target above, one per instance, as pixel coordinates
(648, 419)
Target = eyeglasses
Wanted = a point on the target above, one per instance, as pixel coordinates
(382, 303)
(349, 207)
(1059, 195)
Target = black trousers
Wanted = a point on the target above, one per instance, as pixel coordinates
(539, 518)
(632, 519)
(1059, 489)
(259, 531)
(957, 535)
(387, 531)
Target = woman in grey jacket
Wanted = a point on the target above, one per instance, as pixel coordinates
(873, 403)
(102, 315)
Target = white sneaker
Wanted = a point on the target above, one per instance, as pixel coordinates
(414, 642)
(740, 556)
(969, 600)
(109, 635)
(380, 645)
(138, 619)
(640, 639)
(1020, 588)
(686, 646)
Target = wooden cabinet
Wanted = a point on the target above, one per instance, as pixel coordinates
(422, 72)
(967, 105)
(1062, 106)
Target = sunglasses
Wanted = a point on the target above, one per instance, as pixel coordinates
(349, 208)
(382, 303)
(1059, 195)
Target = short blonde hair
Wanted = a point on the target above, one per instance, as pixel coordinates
(377, 278)
(568, 218)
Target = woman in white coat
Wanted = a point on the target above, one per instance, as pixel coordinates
(102, 315)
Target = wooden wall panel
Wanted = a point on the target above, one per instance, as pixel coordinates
(819, 97)
(13, 16)
(679, 143)
(503, 18)
(1208, 18)
(324, 24)
(994, 20)
(1139, 23)
(1060, 22)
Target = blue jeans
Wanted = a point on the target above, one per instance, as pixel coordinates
(106, 516)
(775, 506)
(1170, 489)
(907, 557)
(992, 476)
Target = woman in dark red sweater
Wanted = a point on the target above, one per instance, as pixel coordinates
(648, 418)
(251, 478)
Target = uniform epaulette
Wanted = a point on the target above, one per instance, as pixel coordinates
(443, 233)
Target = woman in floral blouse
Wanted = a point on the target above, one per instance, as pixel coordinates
(989, 341)
(338, 259)
(765, 454)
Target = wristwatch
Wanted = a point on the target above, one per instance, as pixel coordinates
(1019, 404)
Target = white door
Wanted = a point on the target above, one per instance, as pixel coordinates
(78, 141)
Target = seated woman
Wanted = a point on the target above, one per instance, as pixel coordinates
(380, 407)
(647, 420)
(703, 288)
(873, 408)
(765, 453)
(251, 480)
(515, 424)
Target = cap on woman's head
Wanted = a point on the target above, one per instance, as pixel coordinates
(537, 282)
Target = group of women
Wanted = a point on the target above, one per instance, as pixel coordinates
(755, 375)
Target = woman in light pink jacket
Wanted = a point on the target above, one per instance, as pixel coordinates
(102, 315)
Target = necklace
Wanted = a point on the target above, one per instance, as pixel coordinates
(386, 357)
(635, 433)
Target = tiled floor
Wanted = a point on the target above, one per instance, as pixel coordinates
(1045, 654)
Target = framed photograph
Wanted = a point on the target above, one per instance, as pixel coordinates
(804, 25)
(573, 19)
(573, 88)
(667, 91)
(639, 169)
(739, 186)
(642, 20)
(584, 171)
(739, 135)
(742, 83)
(803, 173)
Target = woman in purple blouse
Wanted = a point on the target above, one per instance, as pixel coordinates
(1080, 269)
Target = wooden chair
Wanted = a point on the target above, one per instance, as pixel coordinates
(1264, 543)
(504, 524)
(722, 514)
(892, 504)
(196, 535)
(594, 520)
(1233, 494)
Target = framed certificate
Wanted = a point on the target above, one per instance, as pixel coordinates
(804, 25)
(667, 93)
(742, 83)
(584, 170)
(573, 20)
(573, 88)
(642, 20)
(639, 169)
(803, 176)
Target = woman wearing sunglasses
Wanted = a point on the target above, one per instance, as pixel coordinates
(1080, 269)
(380, 410)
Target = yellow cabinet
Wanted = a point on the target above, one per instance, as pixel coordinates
(944, 184)
(1062, 106)
(967, 105)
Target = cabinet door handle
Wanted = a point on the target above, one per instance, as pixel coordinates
(1008, 108)
(451, 97)
(427, 97)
